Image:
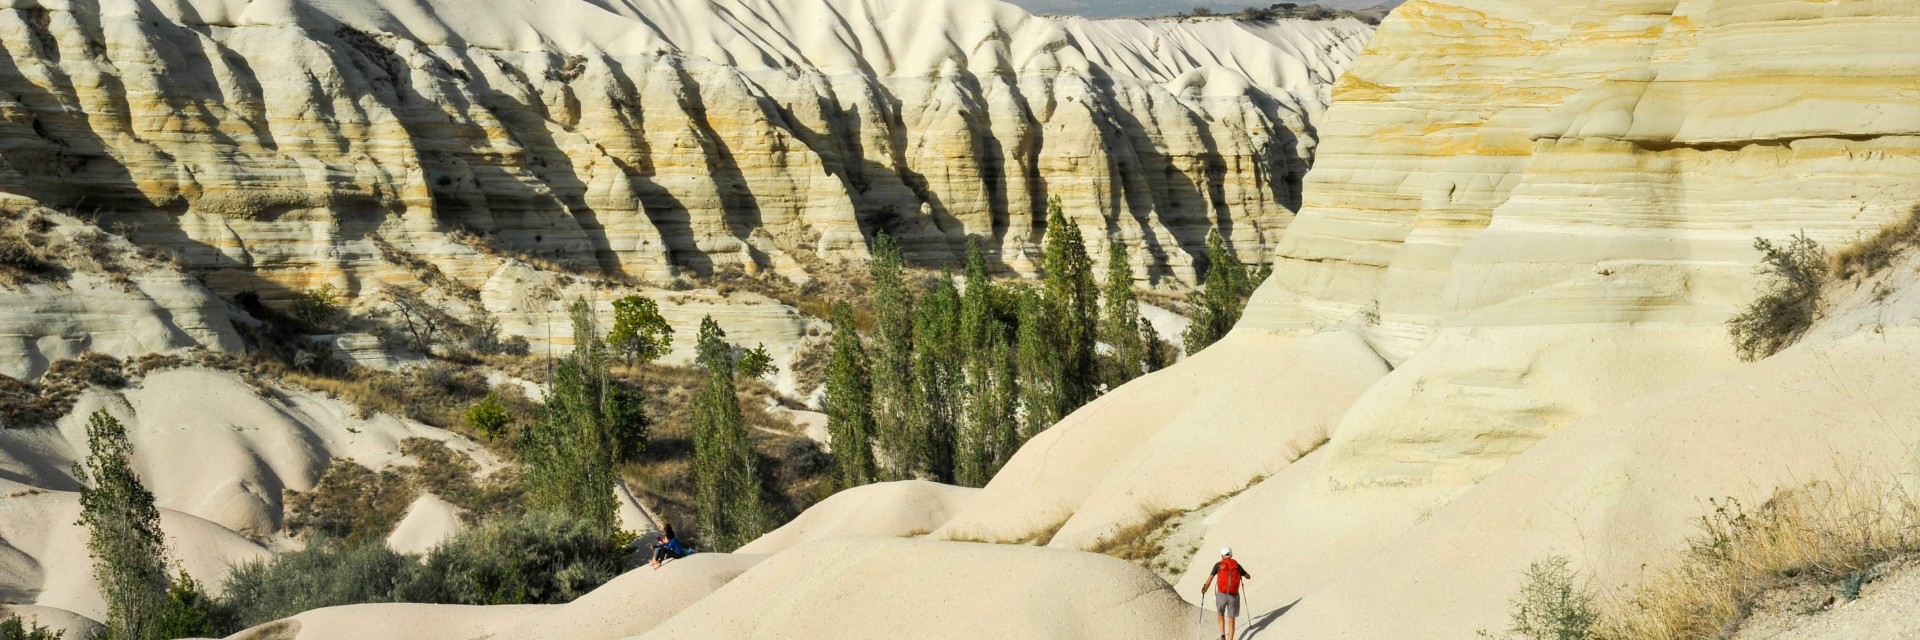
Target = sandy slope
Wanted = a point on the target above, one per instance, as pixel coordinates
(898, 509)
(860, 588)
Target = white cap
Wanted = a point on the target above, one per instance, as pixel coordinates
(1226, 552)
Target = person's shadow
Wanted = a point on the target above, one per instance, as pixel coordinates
(1262, 621)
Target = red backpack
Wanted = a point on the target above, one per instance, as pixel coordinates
(1229, 576)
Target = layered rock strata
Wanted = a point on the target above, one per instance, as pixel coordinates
(273, 141)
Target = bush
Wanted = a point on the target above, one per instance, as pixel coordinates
(488, 418)
(1796, 272)
(324, 574)
(318, 310)
(190, 613)
(539, 558)
(1553, 605)
(13, 628)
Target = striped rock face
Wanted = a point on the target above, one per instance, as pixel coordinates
(275, 142)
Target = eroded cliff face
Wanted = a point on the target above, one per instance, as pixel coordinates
(275, 141)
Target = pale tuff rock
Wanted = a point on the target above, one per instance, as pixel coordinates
(270, 140)
(428, 522)
(107, 299)
(899, 509)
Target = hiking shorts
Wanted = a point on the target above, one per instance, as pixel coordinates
(1228, 604)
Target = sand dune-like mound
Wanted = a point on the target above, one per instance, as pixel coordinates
(635, 602)
(1234, 413)
(245, 449)
(861, 588)
(44, 559)
(391, 622)
(428, 522)
(898, 509)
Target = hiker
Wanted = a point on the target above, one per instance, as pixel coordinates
(667, 546)
(1228, 573)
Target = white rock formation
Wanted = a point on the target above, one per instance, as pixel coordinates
(899, 509)
(273, 141)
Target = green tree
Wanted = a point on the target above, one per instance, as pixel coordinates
(1156, 354)
(571, 451)
(1222, 298)
(1120, 320)
(849, 404)
(892, 353)
(988, 413)
(1074, 299)
(488, 417)
(937, 357)
(123, 533)
(1041, 369)
(726, 483)
(14, 628)
(639, 332)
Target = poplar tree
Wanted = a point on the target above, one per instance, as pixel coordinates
(571, 451)
(123, 533)
(1222, 298)
(1037, 359)
(937, 371)
(849, 404)
(1120, 320)
(1073, 297)
(726, 484)
(892, 359)
(988, 416)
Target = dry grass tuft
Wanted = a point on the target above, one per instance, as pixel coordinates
(1823, 533)
(1139, 542)
(1867, 257)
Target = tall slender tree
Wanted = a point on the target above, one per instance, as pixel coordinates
(988, 415)
(570, 452)
(849, 404)
(123, 533)
(937, 379)
(1074, 299)
(892, 354)
(1120, 320)
(725, 480)
(1037, 359)
(1222, 298)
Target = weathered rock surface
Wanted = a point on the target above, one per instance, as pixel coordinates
(275, 142)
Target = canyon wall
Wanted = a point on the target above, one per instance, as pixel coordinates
(282, 145)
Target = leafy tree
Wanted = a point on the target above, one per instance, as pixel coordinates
(988, 414)
(1156, 354)
(892, 353)
(849, 404)
(1041, 370)
(726, 484)
(124, 538)
(937, 371)
(190, 612)
(1074, 300)
(639, 332)
(488, 417)
(755, 363)
(1120, 320)
(570, 452)
(1222, 298)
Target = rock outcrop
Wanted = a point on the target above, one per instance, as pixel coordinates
(282, 144)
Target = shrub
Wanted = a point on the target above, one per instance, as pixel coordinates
(538, 558)
(319, 310)
(488, 418)
(1139, 542)
(190, 613)
(13, 628)
(1790, 303)
(1553, 605)
(324, 574)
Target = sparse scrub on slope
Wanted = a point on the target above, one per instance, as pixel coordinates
(1554, 604)
(1867, 257)
(1795, 272)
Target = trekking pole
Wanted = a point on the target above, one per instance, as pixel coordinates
(1246, 610)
